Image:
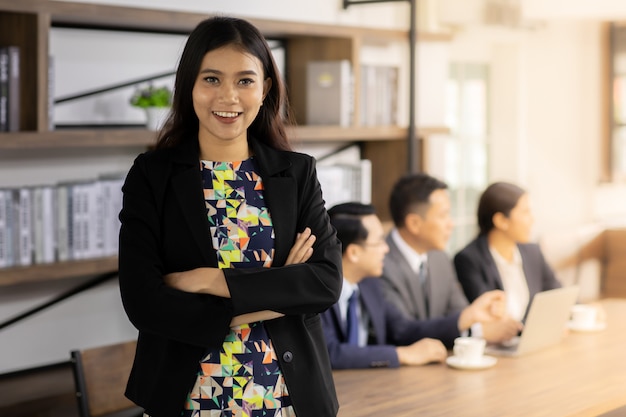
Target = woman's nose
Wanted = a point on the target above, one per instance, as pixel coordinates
(228, 93)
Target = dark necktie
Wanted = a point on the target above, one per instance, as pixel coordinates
(424, 283)
(353, 320)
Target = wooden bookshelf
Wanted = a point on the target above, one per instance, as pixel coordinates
(57, 271)
(27, 23)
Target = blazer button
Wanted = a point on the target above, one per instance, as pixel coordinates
(287, 356)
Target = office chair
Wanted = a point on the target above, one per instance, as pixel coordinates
(100, 375)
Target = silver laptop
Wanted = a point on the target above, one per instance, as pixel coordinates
(545, 323)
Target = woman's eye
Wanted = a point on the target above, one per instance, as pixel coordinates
(212, 80)
(246, 81)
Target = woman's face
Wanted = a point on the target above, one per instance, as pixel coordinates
(520, 221)
(228, 93)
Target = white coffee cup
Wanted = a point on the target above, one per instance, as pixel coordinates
(584, 316)
(469, 349)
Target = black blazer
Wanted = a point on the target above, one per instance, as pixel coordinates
(477, 271)
(165, 229)
(388, 328)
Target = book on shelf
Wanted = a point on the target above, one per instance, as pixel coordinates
(379, 95)
(43, 222)
(14, 88)
(6, 253)
(329, 93)
(22, 227)
(10, 88)
(62, 227)
(111, 187)
(4, 89)
(345, 182)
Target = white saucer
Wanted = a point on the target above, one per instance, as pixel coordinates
(485, 362)
(594, 328)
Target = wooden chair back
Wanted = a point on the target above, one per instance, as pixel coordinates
(100, 375)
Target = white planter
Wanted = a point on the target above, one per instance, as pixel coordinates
(156, 116)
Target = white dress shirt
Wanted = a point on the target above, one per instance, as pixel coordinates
(513, 282)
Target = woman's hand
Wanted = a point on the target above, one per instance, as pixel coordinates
(302, 249)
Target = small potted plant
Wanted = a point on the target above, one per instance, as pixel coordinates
(155, 101)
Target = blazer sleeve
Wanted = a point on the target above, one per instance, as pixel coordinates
(152, 306)
(445, 274)
(470, 274)
(403, 331)
(548, 278)
(309, 287)
(345, 356)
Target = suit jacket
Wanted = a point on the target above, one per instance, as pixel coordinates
(165, 229)
(478, 273)
(403, 289)
(388, 328)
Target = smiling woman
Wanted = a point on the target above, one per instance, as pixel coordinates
(226, 254)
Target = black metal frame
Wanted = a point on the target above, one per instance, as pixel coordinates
(73, 291)
(79, 381)
(413, 150)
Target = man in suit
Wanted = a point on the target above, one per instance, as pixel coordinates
(418, 276)
(371, 332)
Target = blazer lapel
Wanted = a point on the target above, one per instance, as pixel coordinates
(276, 187)
(371, 301)
(532, 270)
(187, 184)
(406, 280)
(490, 265)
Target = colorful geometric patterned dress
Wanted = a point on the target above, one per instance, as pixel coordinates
(243, 378)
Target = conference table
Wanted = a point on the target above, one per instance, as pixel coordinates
(584, 375)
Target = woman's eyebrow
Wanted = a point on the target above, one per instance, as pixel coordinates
(218, 72)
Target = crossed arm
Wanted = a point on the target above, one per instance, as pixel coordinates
(212, 280)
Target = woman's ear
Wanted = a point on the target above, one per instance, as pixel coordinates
(500, 221)
(267, 84)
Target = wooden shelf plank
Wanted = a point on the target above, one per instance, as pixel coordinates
(57, 271)
(314, 134)
(90, 138)
(80, 138)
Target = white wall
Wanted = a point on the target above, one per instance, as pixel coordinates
(546, 121)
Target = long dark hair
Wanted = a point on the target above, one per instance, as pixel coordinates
(499, 197)
(210, 34)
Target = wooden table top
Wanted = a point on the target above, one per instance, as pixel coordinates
(585, 375)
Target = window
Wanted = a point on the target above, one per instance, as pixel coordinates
(460, 158)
